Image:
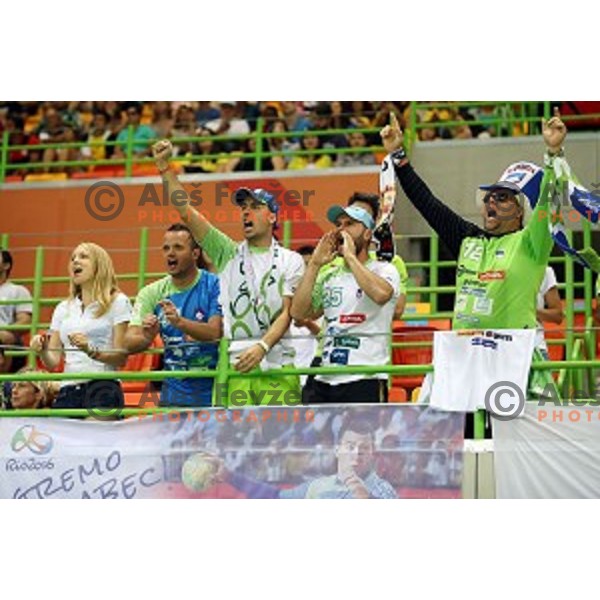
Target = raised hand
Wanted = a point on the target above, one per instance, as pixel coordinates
(326, 249)
(554, 132)
(391, 135)
(162, 152)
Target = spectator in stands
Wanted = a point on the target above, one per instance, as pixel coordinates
(357, 299)
(310, 161)
(355, 476)
(258, 279)
(506, 258)
(162, 118)
(141, 134)
(322, 120)
(356, 140)
(361, 114)
(98, 135)
(51, 131)
(18, 137)
(549, 308)
(205, 112)
(229, 124)
(183, 308)
(32, 394)
(11, 314)
(89, 327)
(185, 126)
(293, 117)
(339, 117)
(385, 109)
(209, 157)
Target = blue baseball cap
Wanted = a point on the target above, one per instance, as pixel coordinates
(354, 212)
(259, 195)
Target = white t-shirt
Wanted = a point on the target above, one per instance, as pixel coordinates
(468, 363)
(69, 318)
(305, 344)
(548, 283)
(357, 329)
(236, 126)
(12, 291)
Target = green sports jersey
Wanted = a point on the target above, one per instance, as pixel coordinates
(498, 278)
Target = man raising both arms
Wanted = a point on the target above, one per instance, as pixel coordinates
(500, 266)
(258, 278)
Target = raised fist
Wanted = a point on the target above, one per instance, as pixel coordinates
(162, 152)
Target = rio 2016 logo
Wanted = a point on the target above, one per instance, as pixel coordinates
(29, 437)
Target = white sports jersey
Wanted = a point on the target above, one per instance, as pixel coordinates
(356, 329)
(548, 283)
(469, 362)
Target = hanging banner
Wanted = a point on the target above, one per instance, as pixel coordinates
(389, 451)
(550, 452)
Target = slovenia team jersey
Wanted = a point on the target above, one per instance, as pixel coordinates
(356, 329)
(199, 302)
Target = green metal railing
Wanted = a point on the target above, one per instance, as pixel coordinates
(575, 373)
(507, 119)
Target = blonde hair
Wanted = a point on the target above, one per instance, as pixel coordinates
(104, 287)
(49, 389)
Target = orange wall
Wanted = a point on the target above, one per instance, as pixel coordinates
(57, 218)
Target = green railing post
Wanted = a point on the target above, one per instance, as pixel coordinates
(412, 127)
(37, 296)
(569, 303)
(260, 124)
(220, 395)
(287, 234)
(143, 258)
(588, 295)
(4, 241)
(129, 155)
(479, 425)
(3, 156)
(434, 249)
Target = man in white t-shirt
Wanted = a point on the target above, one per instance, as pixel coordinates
(357, 299)
(11, 314)
(258, 278)
(549, 308)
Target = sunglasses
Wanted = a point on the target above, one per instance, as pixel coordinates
(498, 197)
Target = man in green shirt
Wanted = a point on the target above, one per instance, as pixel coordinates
(500, 266)
(258, 278)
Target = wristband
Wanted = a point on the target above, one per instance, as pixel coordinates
(93, 351)
(264, 346)
(398, 156)
(549, 158)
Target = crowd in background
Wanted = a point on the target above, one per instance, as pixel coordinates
(100, 123)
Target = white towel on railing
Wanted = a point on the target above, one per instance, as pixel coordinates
(470, 364)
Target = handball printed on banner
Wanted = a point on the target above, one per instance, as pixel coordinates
(381, 452)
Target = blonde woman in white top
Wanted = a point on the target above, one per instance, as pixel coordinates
(90, 325)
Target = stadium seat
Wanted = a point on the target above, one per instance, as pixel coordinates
(13, 179)
(397, 394)
(412, 355)
(33, 177)
(141, 362)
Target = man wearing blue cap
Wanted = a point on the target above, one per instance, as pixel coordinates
(500, 265)
(258, 278)
(357, 299)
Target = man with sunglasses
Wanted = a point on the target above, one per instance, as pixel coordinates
(500, 265)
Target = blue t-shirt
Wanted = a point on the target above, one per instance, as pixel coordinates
(199, 302)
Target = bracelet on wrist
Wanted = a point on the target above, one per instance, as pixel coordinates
(399, 157)
(264, 346)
